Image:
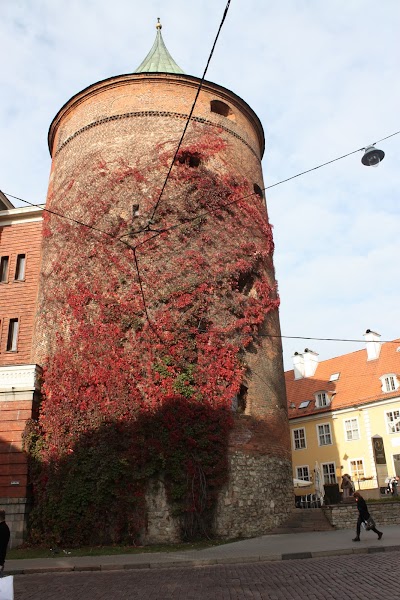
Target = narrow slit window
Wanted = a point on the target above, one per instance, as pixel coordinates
(258, 191)
(20, 267)
(12, 335)
(4, 268)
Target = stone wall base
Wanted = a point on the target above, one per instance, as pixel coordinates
(255, 500)
(344, 516)
(257, 497)
(17, 510)
(161, 526)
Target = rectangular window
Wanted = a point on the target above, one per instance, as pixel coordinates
(299, 438)
(303, 473)
(390, 384)
(324, 435)
(4, 269)
(393, 421)
(20, 267)
(329, 473)
(12, 335)
(357, 468)
(351, 429)
(322, 399)
(304, 404)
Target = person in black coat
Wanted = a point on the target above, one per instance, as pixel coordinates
(4, 538)
(363, 515)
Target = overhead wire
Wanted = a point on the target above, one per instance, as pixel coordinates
(204, 213)
(190, 113)
(317, 339)
(183, 222)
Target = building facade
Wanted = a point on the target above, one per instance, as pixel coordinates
(345, 417)
(20, 243)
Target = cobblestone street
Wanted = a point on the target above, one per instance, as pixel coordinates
(369, 576)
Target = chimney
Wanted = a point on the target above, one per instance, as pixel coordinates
(310, 362)
(373, 344)
(298, 365)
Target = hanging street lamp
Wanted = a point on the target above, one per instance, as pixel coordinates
(372, 156)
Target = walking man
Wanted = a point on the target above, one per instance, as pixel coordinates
(363, 516)
(4, 539)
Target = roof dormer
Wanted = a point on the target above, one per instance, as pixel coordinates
(322, 399)
(390, 383)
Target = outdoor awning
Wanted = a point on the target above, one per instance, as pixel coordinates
(301, 483)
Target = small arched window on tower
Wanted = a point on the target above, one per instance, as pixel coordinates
(239, 401)
(222, 109)
(258, 191)
(190, 159)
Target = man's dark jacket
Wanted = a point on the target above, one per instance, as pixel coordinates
(4, 539)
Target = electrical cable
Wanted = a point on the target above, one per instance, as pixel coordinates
(57, 214)
(188, 220)
(191, 113)
(300, 337)
(205, 213)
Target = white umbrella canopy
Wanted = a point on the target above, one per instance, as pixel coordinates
(301, 483)
(319, 481)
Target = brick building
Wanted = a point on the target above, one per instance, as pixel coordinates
(20, 241)
(111, 145)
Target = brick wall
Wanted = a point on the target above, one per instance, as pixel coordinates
(18, 298)
(20, 234)
(15, 408)
(129, 118)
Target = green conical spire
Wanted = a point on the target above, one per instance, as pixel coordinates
(158, 59)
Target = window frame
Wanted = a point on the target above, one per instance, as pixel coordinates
(346, 431)
(396, 424)
(322, 402)
(21, 259)
(356, 476)
(324, 434)
(4, 272)
(330, 474)
(299, 439)
(301, 476)
(386, 383)
(13, 334)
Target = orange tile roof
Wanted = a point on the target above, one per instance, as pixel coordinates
(358, 381)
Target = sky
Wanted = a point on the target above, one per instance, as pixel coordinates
(323, 77)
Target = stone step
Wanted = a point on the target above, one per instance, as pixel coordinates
(303, 520)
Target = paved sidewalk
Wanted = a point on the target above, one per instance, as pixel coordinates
(260, 549)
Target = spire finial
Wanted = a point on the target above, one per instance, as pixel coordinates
(158, 59)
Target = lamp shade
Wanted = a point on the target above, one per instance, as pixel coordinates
(372, 156)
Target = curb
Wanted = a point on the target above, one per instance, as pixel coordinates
(201, 562)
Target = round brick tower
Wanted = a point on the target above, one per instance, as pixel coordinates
(190, 264)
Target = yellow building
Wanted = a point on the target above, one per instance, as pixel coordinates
(344, 418)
